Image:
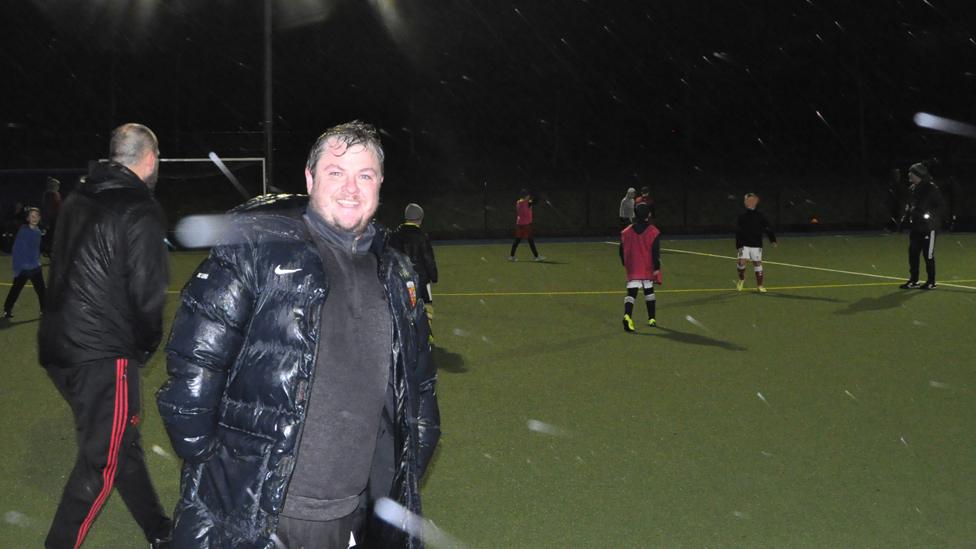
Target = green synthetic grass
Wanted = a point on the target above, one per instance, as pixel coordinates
(834, 411)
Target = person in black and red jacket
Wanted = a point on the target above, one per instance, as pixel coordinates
(645, 198)
(640, 253)
(102, 320)
(50, 209)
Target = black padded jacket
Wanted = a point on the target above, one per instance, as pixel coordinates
(925, 207)
(241, 362)
(413, 241)
(109, 272)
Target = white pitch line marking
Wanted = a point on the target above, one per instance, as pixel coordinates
(870, 275)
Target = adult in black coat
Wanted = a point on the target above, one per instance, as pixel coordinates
(301, 389)
(410, 239)
(103, 318)
(923, 213)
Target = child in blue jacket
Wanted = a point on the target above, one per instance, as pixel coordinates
(26, 262)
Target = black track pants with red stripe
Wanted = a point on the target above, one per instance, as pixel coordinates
(104, 397)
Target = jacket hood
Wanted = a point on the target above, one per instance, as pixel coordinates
(107, 175)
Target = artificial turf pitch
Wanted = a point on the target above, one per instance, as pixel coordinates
(834, 411)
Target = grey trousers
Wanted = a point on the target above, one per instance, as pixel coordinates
(312, 534)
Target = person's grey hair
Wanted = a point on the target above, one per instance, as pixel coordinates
(349, 134)
(130, 143)
(750, 195)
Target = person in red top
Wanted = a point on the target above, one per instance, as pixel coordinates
(523, 225)
(640, 253)
(50, 209)
(645, 198)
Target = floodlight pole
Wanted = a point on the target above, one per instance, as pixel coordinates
(268, 111)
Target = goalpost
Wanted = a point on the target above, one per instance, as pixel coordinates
(217, 161)
(221, 164)
(192, 186)
(186, 186)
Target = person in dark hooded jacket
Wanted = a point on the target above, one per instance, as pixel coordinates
(640, 253)
(301, 390)
(923, 213)
(103, 318)
(410, 239)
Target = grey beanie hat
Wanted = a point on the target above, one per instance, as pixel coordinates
(920, 170)
(413, 212)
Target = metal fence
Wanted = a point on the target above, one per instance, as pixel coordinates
(486, 209)
(681, 207)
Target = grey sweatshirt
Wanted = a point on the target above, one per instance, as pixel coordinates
(349, 383)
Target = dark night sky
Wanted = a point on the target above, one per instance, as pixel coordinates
(564, 90)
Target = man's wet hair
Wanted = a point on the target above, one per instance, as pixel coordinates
(349, 134)
(130, 143)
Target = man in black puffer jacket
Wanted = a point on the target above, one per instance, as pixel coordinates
(102, 320)
(301, 389)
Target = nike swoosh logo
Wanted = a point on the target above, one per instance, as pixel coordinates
(280, 271)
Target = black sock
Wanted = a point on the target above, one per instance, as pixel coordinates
(629, 301)
(651, 300)
(532, 247)
(515, 246)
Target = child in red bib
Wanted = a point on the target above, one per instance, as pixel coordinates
(640, 253)
(523, 225)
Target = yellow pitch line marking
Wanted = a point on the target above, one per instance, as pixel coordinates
(658, 290)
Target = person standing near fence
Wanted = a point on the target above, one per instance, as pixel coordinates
(26, 263)
(102, 321)
(50, 210)
(645, 198)
(523, 225)
(751, 225)
(924, 214)
(627, 208)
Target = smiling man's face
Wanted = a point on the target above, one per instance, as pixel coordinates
(345, 186)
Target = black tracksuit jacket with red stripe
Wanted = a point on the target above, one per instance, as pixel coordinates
(109, 272)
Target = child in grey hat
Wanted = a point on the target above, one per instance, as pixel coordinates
(410, 239)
